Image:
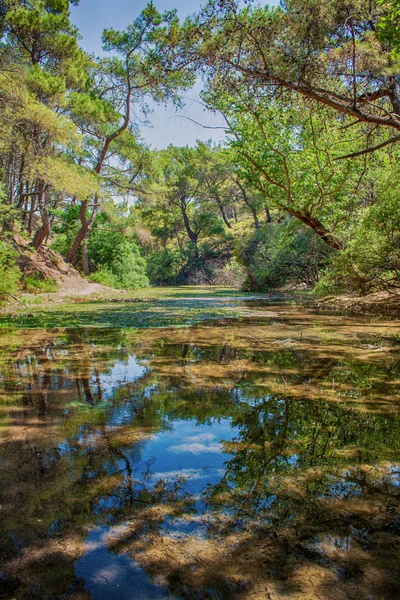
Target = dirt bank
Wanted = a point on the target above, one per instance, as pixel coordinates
(47, 265)
(378, 304)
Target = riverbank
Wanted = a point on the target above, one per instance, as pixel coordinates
(380, 304)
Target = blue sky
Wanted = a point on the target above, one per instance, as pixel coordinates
(168, 126)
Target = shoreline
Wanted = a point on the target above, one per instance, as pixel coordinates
(378, 304)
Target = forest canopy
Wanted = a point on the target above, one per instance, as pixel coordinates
(302, 191)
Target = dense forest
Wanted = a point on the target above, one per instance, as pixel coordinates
(303, 191)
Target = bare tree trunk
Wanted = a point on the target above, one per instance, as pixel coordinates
(44, 231)
(319, 229)
(85, 258)
(192, 235)
(222, 211)
(82, 235)
(31, 214)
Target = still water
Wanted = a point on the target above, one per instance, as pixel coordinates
(246, 459)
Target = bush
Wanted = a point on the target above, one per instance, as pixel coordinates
(371, 260)
(232, 274)
(280, 254)
(163, 266)
(10, 275)
(35, 285)
(105, 277)
(127, 272)
(117, 260)
(131, 270)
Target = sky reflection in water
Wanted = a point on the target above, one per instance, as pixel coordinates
(250, 460)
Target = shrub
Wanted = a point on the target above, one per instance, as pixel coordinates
(279, 254)
(130, 270)
(105, 277)
(163, 266)
(36, 285)
(232, 274)
(10, 275)
(127, 272)
(371, 260)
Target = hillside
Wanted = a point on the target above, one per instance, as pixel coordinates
(47, 265)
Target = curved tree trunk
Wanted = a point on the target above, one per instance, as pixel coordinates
(222, 211)
(80, 236)
(319, 229)
(192, 235)
(87, 224)
(44, 231)
(83, 235)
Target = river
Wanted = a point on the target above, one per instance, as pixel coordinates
(241, 458)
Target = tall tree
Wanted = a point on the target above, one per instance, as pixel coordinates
(41, 60)
(341, 54)
(122, 83)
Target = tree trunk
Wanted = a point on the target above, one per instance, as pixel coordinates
(222, 211)
(44, 231)
(85, 258)
(192, 235)
(319, 229)
(268, 214)
(255, 217)
(248, 203)
(82, 235)
(87, 224)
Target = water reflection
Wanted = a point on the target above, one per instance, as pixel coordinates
(250, 460)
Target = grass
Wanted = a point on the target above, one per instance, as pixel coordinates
(39, 286)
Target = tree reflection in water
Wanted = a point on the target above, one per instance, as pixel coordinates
(234, 461)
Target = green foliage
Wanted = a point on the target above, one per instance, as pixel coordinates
(232, 274)
(163, 266)
(371, 260)
(36, 285)
(302, 183)
(130, 268)
(189, 204)
(10, 275)
(117, 260)
(105, 277)
(388, 26)
(281, 254)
